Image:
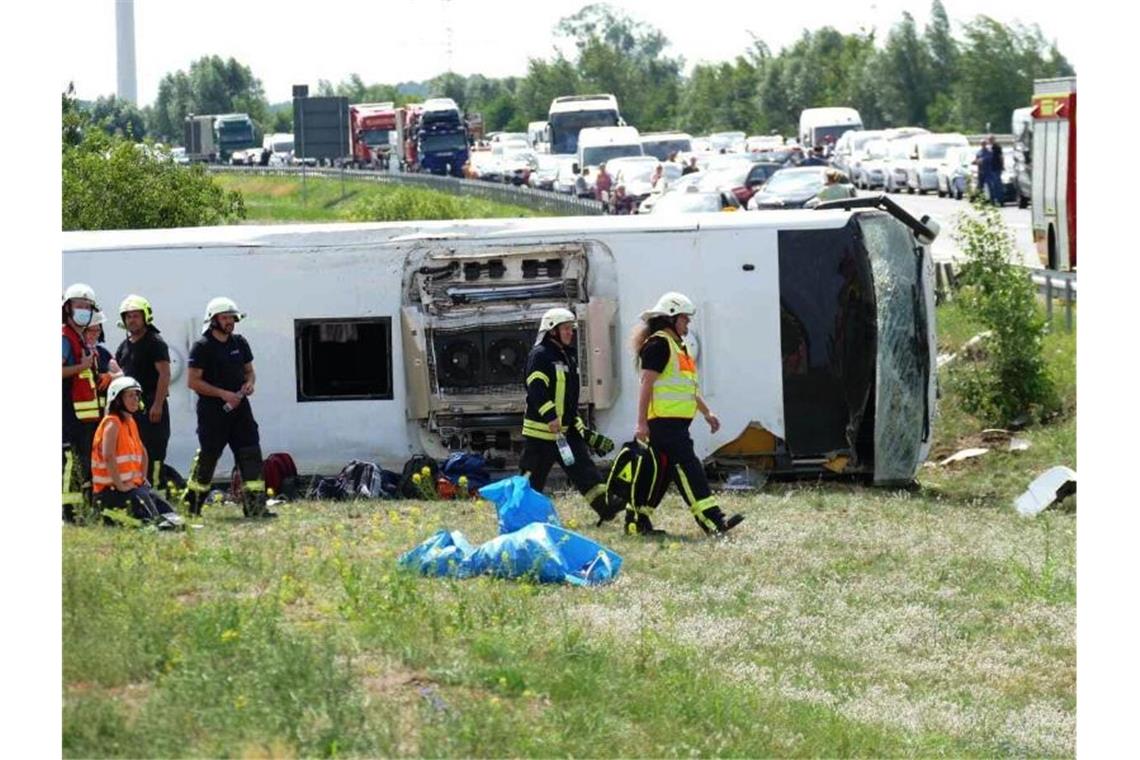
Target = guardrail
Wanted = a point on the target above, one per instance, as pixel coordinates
(1051, 285)
(537, 200)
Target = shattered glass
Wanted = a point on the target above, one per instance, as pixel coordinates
(902, 363)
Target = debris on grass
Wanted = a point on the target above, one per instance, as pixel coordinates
(1049, 488)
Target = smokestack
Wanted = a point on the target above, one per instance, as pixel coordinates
(125, 38)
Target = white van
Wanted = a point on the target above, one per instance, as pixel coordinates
(929, 152)
(819, 126)
(536, 136)
(280, 147)
(596, 145)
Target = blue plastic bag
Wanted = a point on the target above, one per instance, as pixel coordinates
(550, 553)
(442, 555)
(518, 504)
(547, 553)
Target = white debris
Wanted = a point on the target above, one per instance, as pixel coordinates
(1048, 488)
(963, 454)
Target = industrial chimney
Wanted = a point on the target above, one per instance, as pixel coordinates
(125, 37)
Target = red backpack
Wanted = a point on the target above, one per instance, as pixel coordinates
(278, 471)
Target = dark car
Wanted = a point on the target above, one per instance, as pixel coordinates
(793, 187)
(742, 177)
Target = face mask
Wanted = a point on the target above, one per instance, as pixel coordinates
(82, 317)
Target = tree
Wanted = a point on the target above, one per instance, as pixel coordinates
(905, 72)
(119, 117)
(110, 183)
(545, 81)
(211, 86)
(625, 57)
(998, 66)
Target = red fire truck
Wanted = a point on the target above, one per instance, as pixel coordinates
(372, 125)
(1054, 167)
(407, 122)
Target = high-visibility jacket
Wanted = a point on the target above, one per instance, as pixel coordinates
(129, 453)
(84, 387)
(551, 390)
(675, 389)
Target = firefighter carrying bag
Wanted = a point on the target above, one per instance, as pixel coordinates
(639, 475)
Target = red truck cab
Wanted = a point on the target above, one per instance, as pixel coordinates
(371, 126)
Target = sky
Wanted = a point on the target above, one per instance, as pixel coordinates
(394, 42)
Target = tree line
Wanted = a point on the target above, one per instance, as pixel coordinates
(926, 77)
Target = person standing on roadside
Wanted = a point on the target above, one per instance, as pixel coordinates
(602, 187)
(144, 355)
(220, 371)
(80, 397)
(997, 166)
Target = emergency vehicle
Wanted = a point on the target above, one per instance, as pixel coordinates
(1053, 198)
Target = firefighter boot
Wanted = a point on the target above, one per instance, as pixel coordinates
(253, 487)
(639, 524)
(713, 521)
(607, 507)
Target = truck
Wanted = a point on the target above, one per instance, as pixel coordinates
(432, 137)
(372, 128)
(824, 126)
(1053, 170)
(198, 138)
(380, 341)
(233, 133)
(569, 114)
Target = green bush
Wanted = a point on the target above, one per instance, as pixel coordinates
(1011, 381)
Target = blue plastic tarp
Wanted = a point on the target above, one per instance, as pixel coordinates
(546, 553)
(518, 504)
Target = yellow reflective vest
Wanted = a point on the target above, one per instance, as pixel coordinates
(675, 389)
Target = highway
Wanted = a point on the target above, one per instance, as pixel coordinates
(946, 210)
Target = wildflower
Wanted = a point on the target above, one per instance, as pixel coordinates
(229, 635)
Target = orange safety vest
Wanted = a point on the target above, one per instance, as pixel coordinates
(84, 393)
(129, 454)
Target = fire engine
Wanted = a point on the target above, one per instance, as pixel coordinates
(1054, 167)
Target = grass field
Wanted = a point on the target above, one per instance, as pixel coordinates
(283, 199)
(838, 620)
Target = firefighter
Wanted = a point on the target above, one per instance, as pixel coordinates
(552, 425)
(220, 371)
(668, 399)
(144, 355)
(80, 397)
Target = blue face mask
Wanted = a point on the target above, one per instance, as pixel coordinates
(82, 317)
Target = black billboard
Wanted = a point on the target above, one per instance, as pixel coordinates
(320, 127)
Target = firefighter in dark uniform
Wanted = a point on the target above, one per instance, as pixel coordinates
(144, 356)
(668, 399)
(220, 371)
(80, 398)
(552, 419)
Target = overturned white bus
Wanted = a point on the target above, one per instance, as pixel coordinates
(814, 333)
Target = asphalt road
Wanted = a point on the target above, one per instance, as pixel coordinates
(945, 212)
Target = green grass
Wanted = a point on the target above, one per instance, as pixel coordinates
(283, 199)
(839, 620)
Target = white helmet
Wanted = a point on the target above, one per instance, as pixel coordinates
(220, 305)
(118, 385)
(670, 305)
(97, 319)
(552, 318)
(80, 290)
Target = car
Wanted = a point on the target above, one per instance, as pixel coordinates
(518, 164)
(954, 172)
(543, 176)
(565, 177)
(661, 145)
(635, 173)
(178, 155)
(870, 166)
(729, 142)
(486, 166)
(922, 171)
(758, 143)
(693, 200)
(849, 149)
(794, 187)
(900, 154)
(742, 177)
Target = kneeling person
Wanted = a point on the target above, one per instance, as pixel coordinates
(119, 460)
(552, 416)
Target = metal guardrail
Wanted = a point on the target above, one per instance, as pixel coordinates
(1052, 285)
(537, 200)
